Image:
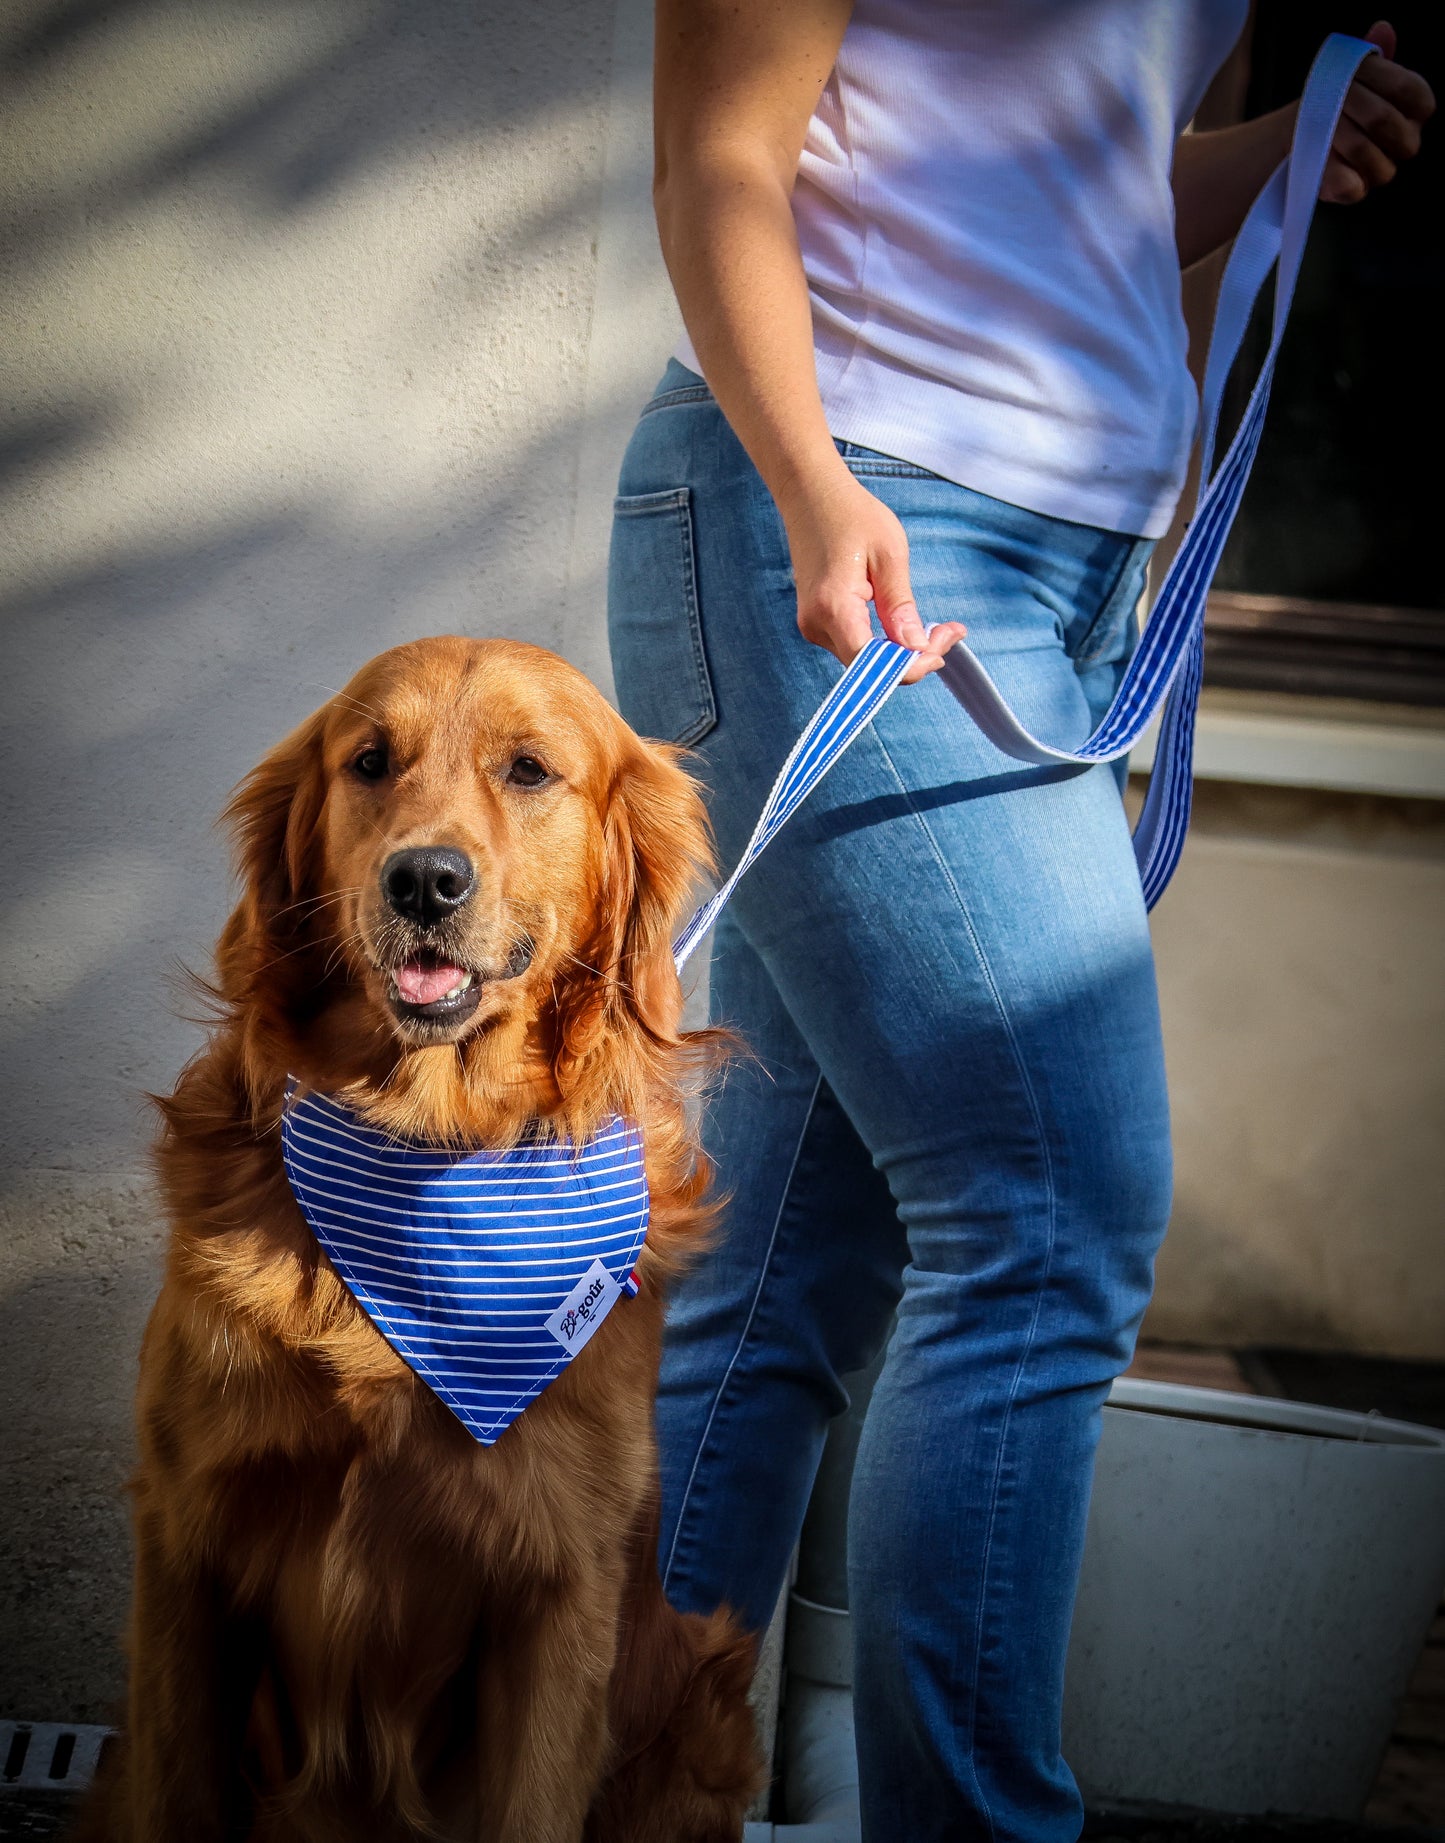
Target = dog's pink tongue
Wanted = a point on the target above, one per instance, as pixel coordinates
(424, 983)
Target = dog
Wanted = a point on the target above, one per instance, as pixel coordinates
(350, 1619)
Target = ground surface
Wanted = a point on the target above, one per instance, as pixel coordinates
(1169, 1827)
(33, 1814)
(43, 1814)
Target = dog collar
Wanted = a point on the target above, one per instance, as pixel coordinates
(485, 1272)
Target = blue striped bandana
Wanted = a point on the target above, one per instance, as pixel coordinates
(488, 1272)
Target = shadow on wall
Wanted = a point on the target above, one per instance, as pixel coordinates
(300, 360)
(318, 95)
(297, 345)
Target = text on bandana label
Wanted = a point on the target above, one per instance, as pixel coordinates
(584, 1308)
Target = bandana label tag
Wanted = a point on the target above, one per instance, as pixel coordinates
(584, 1308)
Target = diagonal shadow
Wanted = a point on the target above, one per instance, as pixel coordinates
(399, 80)
(858, 815)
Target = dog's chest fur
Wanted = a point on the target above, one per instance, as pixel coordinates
(365, 1529)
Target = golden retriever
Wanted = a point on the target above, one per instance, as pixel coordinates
(350, 1620)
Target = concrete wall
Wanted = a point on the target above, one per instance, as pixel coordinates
(300, 361)
(326, 322)
(1301, 954)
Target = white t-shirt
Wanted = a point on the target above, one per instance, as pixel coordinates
(987, 229)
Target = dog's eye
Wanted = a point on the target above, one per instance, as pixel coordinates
(371, 763)
(527, 771)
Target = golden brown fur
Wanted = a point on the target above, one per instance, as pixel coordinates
(350, 1620)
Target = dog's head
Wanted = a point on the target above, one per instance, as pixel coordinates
(461, 879)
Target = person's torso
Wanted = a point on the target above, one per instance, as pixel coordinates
(984, 211)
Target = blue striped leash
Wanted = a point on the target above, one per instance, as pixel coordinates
(1167, 666)
(487, 1273)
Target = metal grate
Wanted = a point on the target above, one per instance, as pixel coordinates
(49, 1756)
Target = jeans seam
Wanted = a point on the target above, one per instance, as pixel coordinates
(744, 1334)
(707, 717)
(891, 470)
(685, 393)
(676, 503)
(1027, 1350)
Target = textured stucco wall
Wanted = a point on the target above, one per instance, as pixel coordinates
(300, 361)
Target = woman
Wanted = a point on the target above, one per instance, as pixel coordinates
(928, 260)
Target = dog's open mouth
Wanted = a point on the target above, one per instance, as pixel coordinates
(430, 986)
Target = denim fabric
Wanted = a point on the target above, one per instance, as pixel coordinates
(957, 1106)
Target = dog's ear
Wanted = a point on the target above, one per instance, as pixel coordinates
(656, 844)
(272, 818)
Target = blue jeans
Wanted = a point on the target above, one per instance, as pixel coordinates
(957, 1106)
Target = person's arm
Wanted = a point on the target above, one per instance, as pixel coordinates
(1217, 174)
(736, 85)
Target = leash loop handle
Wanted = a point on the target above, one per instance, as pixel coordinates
(1168, 664)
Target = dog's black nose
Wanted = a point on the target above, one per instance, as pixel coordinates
(426, 885)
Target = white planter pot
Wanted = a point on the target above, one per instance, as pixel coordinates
(1258, 1579)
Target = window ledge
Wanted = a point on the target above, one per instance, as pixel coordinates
(1333, 743)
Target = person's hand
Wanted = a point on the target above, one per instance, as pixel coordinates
(1380, 126)
(849, 549)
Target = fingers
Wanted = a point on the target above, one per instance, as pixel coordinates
(899, 617)
(839, 623)
(1354, 149)
(1380, 125)
(1404, 90)
(893, 593)
(936, 646)
(945, 636)
(1391, 130)
(837, 620)
(1341, 185)
(1382, 33)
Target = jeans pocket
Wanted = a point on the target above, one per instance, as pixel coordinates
(663, 684)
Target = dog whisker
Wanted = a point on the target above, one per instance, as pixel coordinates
(307, 902)
(291, 953)
(346, 697)
(352, 939)
(586, 965)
